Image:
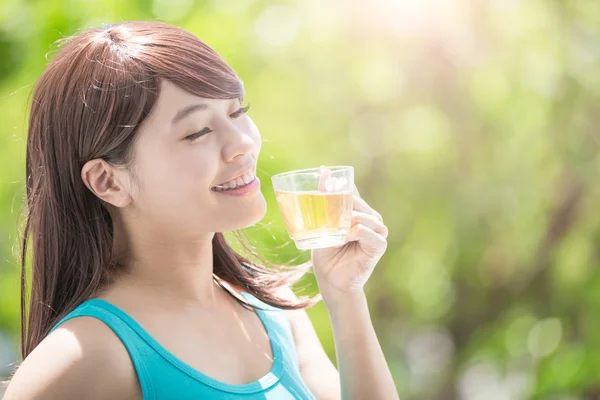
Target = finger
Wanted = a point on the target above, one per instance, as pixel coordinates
(371, 221)
(366, 236)
(361, 205)
(356, 191)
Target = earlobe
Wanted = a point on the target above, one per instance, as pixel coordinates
(104, 181)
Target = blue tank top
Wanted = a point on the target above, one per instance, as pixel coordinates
(163, 376)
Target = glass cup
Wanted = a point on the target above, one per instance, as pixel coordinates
(316, 205)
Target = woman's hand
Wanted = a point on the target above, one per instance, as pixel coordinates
(345, 269)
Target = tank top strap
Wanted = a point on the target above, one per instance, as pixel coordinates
(127, 333)
(158, 370)
(279, 324)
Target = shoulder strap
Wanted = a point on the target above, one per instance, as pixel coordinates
(111, 316)
(278, 324)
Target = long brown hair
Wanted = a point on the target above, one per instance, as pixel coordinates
(88, 104)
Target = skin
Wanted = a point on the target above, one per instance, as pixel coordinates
(165, 213)
(151, 233)
(165, 216)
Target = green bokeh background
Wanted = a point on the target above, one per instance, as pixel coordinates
(473, 128)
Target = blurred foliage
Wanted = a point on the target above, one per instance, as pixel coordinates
(472, 126)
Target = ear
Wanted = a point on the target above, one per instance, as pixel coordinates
(106, 182)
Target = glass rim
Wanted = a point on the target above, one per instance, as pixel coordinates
(313, 169)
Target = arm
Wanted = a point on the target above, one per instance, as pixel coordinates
(341, 273)
(364, 371)
(363, 368)
(81, 359)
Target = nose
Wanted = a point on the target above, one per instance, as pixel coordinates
(236, 143)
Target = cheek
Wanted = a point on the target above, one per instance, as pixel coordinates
(193, 173)
(178, 179)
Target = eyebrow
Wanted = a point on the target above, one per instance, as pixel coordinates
(184, 112)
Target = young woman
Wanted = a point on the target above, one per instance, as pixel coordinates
(139, 154)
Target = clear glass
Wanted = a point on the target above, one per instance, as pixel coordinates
(316, 205)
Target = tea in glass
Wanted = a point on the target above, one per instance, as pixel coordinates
(316, 205)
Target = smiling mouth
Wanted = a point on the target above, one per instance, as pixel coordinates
(235, 188)
(237, 183)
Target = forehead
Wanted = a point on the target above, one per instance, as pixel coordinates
(172, 98)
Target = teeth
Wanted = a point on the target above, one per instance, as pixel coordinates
(247, 177)
(243, 180)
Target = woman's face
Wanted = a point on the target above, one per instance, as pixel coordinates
(175, 172)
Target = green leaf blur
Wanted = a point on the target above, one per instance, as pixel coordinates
(473, 127)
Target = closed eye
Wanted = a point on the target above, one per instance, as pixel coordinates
(241, 111)
(206, 130)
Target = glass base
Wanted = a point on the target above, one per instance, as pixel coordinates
(320, 242)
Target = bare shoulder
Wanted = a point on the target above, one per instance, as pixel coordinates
(67, 364)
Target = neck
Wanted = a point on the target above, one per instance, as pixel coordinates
(171, 271)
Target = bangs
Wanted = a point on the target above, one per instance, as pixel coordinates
(115, 73)
(176, 55)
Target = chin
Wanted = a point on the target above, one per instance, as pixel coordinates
(258, 216)
(249, 216)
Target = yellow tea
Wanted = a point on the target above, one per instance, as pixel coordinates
(314, 216)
